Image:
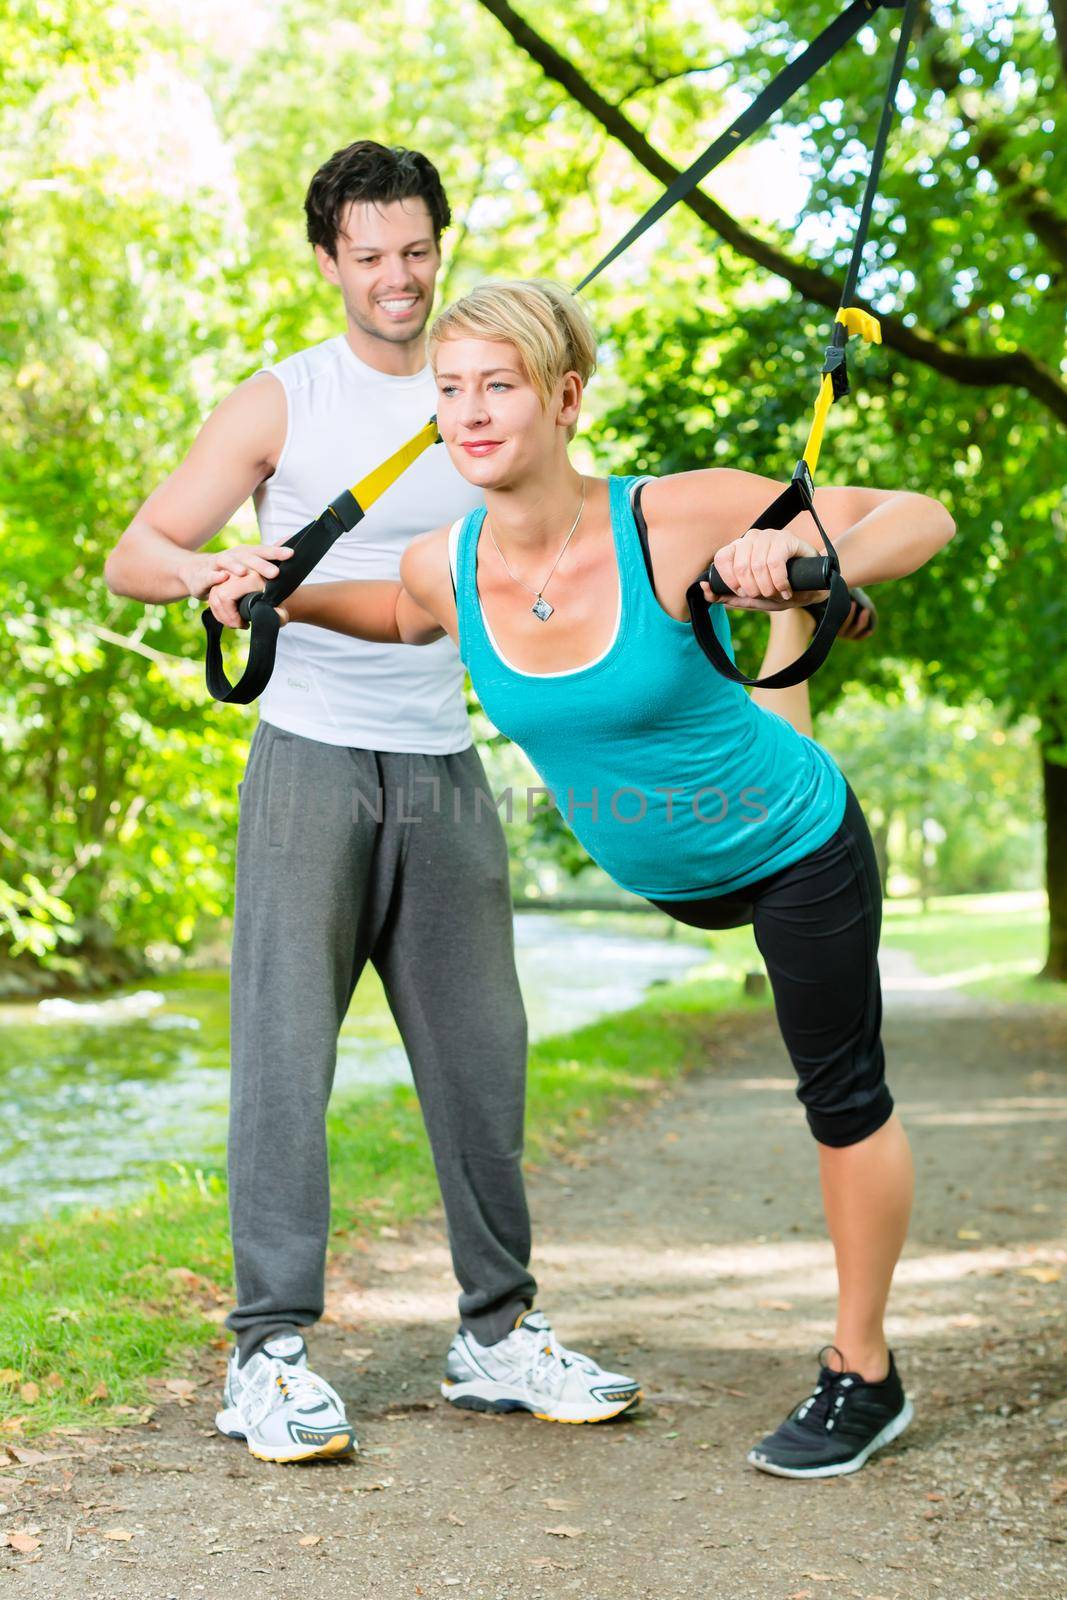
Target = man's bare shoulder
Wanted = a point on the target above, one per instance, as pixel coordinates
(253, 418)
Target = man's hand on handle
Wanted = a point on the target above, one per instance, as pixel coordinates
(245, 576)
(202, 573)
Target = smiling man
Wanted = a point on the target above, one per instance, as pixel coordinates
(360, 838)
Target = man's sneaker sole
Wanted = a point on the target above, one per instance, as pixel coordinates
(473, 1397)
(839, 1469)
(340, 1442)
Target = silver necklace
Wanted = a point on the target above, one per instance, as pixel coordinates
(540, 608)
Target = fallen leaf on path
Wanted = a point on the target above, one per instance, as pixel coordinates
(310, 1539)
(565, 1532)
(934, 1496)
(181, 1388)
(29, 1394)
(21, 1457)
(120, 1535)
(678, 1497)
(1041, 1274)
(459, 1522)
(357, 1355)
(99, 1393)
(557, 1505)
(802, 1594)
(546, 1563)
(369, 1488)
(24, 1543)
(1059, 1489)
(824, 1577)
(967, 1233)
(12, 1424)
(777, 1305)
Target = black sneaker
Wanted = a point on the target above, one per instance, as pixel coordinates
(844, 1420)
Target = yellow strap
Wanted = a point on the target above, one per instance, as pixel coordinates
(856, 321)
(368, 489)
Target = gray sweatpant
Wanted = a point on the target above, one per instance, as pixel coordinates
(345, 856)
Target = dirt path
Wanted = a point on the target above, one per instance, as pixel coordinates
(686, 1242)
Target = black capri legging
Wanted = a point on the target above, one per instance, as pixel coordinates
(817, 924)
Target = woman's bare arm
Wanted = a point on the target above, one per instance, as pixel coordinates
(698, 517)
(374, 609)
(381, 611)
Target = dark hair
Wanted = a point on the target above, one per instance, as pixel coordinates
(376, 174)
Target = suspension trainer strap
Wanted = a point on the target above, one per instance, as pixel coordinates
(799, 496)
(771, 99)
(309, 547)
(347, 510)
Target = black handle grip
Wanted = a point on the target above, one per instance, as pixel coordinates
(247, 601)
(805, 572)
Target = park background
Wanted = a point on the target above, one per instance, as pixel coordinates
(151, 187)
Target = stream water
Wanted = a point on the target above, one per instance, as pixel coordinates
(99, 1093)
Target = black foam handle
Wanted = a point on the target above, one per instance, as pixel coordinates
(805, 572)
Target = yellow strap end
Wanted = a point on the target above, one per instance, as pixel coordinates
(368, 489)
(823, 402)
(858, 321)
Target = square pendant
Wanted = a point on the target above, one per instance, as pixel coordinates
(541, 609)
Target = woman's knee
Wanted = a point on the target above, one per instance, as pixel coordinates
(851, 1122)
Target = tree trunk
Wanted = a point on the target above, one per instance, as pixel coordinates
(1055, 781)
(880, 840)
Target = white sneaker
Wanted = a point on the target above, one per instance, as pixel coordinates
(283, 1411)
(530, 1370)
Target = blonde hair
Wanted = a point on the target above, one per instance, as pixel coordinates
(545, 322)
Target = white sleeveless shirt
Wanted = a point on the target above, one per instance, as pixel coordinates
(344, 418)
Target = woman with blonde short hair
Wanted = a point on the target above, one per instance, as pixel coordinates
(566, 597)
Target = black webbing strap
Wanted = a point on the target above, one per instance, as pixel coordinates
(799, 496)
(769, 100)
(309, 545)
(835, 363)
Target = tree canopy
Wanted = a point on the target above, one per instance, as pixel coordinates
(151, 197)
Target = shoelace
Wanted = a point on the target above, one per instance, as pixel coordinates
(824, 1403)
(554, 1358)
(285, 1382)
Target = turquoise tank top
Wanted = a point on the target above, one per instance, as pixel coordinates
(678, 785)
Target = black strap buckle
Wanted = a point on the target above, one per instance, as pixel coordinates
(835, 367)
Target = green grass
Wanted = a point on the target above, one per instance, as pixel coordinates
(93, 1304)
(990, 945)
